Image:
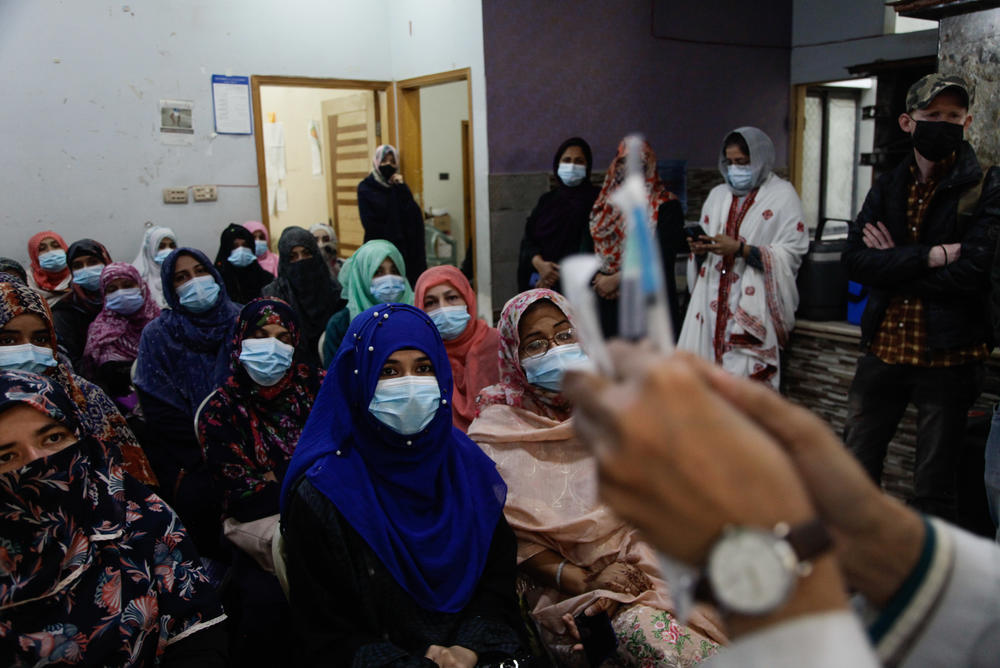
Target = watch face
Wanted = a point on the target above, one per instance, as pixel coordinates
(751, 571)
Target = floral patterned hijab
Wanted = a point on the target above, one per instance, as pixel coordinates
(514, 388)
(114, 337)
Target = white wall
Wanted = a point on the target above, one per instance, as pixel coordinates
(442, 110)
(82, 80)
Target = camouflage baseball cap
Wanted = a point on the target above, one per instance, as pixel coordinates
(924, 91)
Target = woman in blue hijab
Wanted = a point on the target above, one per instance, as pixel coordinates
(396, 544)
(180, 354)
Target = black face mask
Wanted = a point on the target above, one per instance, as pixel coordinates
(387, 171)
(936, 140)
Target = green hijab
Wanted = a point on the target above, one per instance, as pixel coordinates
(357, 272)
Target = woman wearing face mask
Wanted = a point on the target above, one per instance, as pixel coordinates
(74, 313)
(100, 571)
(305, 283)
(49, 269)
(396, 546)
(576, 556)
(157, 244)
(237, 262)
(607, 232)
(388, 211)
(445, 295)
(327, 240)
(375, 274)
(742, 275)
(558, 225)
(248, 429)
(262, 246)
(113, 337)
(28, 343)
(181, 353)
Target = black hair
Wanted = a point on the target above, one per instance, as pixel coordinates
(736, 139)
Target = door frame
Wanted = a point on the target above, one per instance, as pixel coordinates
(258, 80)
(408, 94)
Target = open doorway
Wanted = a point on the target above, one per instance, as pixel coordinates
(315, 139)
(435, 114)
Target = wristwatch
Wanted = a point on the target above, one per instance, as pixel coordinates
(753, 571)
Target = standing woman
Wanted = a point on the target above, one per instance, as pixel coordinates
(49, 269)
(742, 275)
(157, 244)
(577, 555)
(445, 294)
(607, 231)
(74, 313)
(388, 211)
(180, 354)
(305, 283)
(236, 260)
(397, 548)
(558, 226)
(262, 246)
(28, 343)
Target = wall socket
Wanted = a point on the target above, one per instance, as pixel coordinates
(205, 193)
(175, 195)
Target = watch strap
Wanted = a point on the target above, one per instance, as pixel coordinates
(808, 539)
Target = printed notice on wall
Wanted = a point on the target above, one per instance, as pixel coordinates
(176, 127)
(231, 100)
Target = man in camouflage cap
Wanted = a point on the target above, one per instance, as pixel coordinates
(922, 246)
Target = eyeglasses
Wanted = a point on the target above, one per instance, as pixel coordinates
(541, 346)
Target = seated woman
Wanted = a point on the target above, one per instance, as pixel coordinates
(445, 295)
(557, 226)
(375, 274)
(237, 263)
(326, 237)
(14, 268)
(305, 284)
(74, 313)
(50, 273)
(262, 246)
(28, 343)
(113, 337)
(101, 572)
(157, 244)
(577, 556)
(607, 234)
(397, 548)
(248, 429)
(180, 354)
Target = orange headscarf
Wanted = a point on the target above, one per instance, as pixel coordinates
(43, 279)
(474, 354)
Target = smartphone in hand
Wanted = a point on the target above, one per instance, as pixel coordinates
(694, 232)
(598, 637)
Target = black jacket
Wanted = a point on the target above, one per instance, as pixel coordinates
(954, 296)
(392, 214)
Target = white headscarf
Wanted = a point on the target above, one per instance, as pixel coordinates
(377, 160)
(761, 157)
(145, 261)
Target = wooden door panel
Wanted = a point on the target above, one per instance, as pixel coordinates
(351, 122)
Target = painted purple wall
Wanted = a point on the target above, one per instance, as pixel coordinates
(594, 68)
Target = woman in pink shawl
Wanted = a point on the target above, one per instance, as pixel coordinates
(574, 554)
(113, 336)
(267, 259)
(445, 295)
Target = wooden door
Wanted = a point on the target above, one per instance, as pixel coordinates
(351, 124)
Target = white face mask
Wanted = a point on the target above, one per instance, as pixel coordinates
(571, 174)
(26, 357)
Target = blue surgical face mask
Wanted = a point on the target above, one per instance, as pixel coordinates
(26, 357)
(406, 404)
(571, 174)
(125, 301)
(740, 176)
(241, 257)
(199, 294)
(451, 321)
(547, 370)
(259, 247)
(89, 278)
(388, 288)
(266, 360)
(162, 255)
(53, 260)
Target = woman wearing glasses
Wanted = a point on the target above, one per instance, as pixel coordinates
(574, 555)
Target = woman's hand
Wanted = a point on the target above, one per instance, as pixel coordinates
(606, 285)
(396, 178)
(548, 272)
(621, 577)
(720, 244)
(455, 656)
